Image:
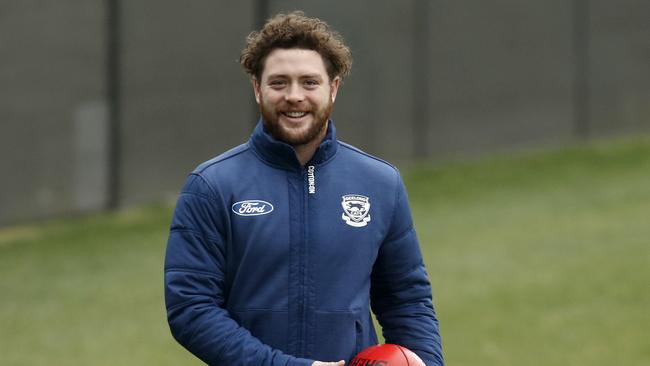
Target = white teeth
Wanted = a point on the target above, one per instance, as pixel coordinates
(295, 114)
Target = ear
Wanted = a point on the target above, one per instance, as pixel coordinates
(335, 87)
(256, 90)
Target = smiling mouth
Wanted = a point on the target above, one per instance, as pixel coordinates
(294, 114)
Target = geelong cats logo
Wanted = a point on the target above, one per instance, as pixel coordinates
(356, 210)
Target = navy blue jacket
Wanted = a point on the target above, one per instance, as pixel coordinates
(272, 263)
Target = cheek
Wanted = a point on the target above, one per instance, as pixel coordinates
(321, 99)
(270, 98)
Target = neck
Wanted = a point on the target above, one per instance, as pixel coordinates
(305, 152)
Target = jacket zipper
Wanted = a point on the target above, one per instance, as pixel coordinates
(308, 187)
(302, 302)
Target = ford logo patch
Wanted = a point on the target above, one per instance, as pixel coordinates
(252, 208)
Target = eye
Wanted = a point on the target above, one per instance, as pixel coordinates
(311, 83)
(277, 84)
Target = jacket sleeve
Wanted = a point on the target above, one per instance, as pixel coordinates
(400, 288)
(195, 293)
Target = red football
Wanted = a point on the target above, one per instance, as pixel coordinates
(386, 355)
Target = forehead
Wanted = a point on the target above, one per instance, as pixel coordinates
(293, 62)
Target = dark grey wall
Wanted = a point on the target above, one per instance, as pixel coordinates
(431, 79)
(620, 67)
(51, 105)
(501, 75)
(185, 98)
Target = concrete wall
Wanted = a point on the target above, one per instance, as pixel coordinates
(620, 67)
(431, 79)
(184, 96)
(51, 104)
(503, 78)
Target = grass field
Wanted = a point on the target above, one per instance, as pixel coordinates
(537, 259)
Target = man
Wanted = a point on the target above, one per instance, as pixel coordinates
(279, 247)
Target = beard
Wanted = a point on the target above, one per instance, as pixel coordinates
(302, 135)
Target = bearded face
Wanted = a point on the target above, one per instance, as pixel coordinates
(295, 123)
(295, 96)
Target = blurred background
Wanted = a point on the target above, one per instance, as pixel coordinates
(110, 103)
(521, 128)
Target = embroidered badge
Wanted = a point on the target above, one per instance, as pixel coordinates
(356, 210)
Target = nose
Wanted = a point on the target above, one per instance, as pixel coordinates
(294, 94)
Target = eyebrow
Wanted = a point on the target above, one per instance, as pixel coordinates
(307, 76)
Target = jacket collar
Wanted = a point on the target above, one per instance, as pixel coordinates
(283, 155)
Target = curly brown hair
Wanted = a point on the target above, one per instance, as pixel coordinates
(295, 30)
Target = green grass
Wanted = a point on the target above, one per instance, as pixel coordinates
(541, 259)
(86, 292)
(537, 259)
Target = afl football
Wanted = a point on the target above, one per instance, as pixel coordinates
(386, 355)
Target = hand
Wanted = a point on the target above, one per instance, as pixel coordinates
(319, 363)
